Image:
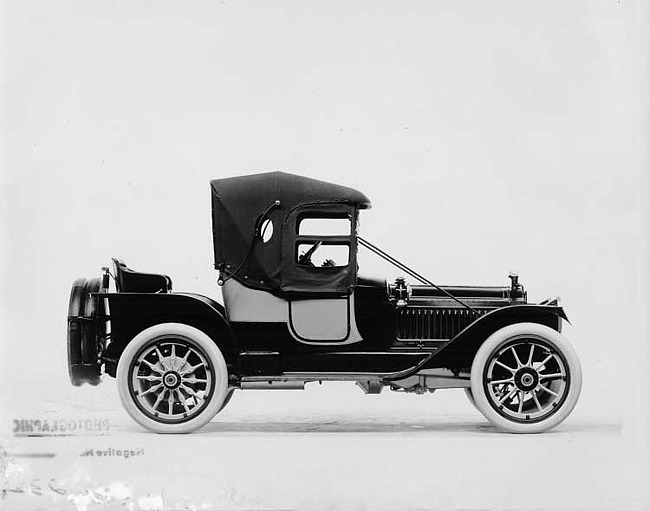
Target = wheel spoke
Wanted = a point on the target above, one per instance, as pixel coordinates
(184, 359)
(514, 352)
(170, 401)
(502, 400)
(553, 376)
(183, 401)
(194, 380)
(539, 407)
(513, 371)
(153, 367)
(153, 388)
(191, 392)
(161, 359)
(548, 390)
(160, 398)
(542, 364)
(151, 377)
(172, 358)
(499, 382)
(191, 369)
(522, 396)
(530, 355)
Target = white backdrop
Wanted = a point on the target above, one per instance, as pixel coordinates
(490, 137)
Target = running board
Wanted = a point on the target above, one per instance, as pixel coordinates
(272, 385)
(370, 383)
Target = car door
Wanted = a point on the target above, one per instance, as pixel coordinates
(319, 272)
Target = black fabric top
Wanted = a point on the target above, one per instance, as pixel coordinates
(238, 204)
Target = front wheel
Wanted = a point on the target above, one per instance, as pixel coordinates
(526, 378)
(172, 378)
(227, 398)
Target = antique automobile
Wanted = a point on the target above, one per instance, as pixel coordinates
(295, 310)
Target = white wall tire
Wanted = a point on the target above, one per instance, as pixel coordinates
(227, 399)
(526, 378)
(172, 378)
(470, 396)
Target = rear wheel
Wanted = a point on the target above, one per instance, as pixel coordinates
(470, 396)
(526, 378)
(172, 378)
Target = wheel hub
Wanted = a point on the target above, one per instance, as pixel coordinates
(171, 379)
(526, 379)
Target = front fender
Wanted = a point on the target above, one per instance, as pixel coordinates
(131, 313)
(459, 352)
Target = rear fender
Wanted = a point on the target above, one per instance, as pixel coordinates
(459, 352)
(131, 313)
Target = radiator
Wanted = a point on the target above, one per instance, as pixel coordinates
(434, 323)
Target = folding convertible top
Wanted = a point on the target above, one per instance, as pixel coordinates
(238, 204)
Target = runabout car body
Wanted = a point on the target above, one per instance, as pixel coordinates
(296, 310)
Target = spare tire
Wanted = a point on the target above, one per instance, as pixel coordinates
(86, 332)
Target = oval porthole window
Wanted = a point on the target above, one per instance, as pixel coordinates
(266, 232)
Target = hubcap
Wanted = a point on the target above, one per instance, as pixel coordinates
(171, 380)
(526, 380)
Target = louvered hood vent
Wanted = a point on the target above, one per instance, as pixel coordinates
(434, 323)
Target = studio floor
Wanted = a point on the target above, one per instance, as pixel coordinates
(328, 447)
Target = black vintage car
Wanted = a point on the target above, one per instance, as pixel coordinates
(296, 311)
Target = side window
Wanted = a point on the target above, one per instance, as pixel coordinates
(333, 250)
(317, 226)
(323, 256)
(266, 230)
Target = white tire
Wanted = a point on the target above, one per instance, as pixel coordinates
(227, 399)
(470, 396)
(526, 378)
(172, 378)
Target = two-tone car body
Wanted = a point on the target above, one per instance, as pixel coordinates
(296, 310)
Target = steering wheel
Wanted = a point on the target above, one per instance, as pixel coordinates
(306, 257)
